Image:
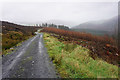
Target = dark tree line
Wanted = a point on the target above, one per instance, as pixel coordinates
(55, 26)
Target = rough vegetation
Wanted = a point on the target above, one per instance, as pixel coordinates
(100, 46)
(74, 61)
(11, 38)
(13, 34)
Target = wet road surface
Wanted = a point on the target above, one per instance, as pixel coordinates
(30, 60)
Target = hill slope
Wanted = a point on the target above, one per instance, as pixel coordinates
(7, 26)
(12, 33)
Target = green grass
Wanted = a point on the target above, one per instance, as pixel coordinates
(73, 61)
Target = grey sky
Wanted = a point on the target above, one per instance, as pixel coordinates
(69, 13)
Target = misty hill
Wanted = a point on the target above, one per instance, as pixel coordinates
(104, 26)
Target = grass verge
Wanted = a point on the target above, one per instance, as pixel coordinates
(73, 61)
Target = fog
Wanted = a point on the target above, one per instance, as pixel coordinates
(67, 13)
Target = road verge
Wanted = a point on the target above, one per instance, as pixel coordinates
(73, 61)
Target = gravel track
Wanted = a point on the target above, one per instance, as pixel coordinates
(30, 60)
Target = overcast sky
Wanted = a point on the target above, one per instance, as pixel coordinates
(69, 13)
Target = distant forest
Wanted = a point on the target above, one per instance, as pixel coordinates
(54, 25)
